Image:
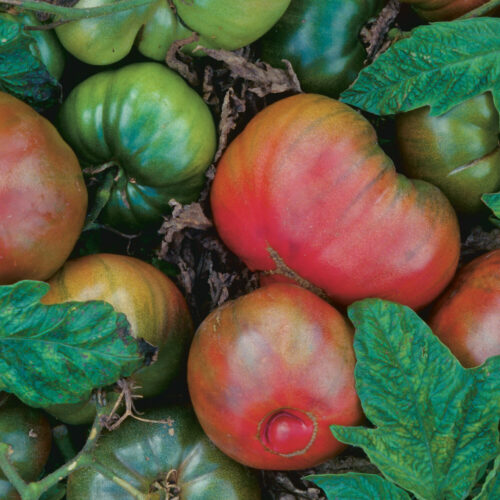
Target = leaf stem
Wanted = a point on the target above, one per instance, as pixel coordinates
(483, 9)
(73, 13)
(10, 471)
(63, 442)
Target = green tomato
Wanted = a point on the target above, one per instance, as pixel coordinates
(46, 46)
(154, 27)
(154, 132)
(457, 151)
(146, 455)
(321, 40)
(29, 434)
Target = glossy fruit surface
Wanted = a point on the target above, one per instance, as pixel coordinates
(446, 10)
(467, 317)
(321, 40)
(143, 454)
(42, 192)
(305, 193)
(154, 27)
(155, 309)
(268, 373)
(457, 151)
(29, 434)
(153, 131)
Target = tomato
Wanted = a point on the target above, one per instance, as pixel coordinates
(467, 316)
(143, 454)
(305, 193)
(44, 199)
(46, 46)
(321, 40)
(29, 434)
(156, 134)
(155, 309)
(154, 27)
(446, 10)
(268, 373)
(457, 151)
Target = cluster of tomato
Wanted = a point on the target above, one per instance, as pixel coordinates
(304, 194)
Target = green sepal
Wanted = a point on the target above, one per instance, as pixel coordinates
(356, 486)
(436, 423)
(416, 71)
(57, 354)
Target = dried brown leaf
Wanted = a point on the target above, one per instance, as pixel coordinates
(182, 63)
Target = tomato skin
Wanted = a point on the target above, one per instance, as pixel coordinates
(457, 151)
(142, 453)
(154, 27)
(28, 432)
(467, 316)
(268, 373)
(446, 10)
(321, 40)
(307, 184)
(153, 127)
(155, 309)
(44, 199)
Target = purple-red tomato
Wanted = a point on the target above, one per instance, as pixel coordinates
(42, 192)
(306, 193)
(467, 317)
(268, 374)
(446, 10)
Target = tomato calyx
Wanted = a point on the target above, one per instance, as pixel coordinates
(287, 432)
(167, 484)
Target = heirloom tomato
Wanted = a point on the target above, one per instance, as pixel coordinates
(154, 27)
(42, 192)
(155, 309)
(151, 129)
(269, 372)
(321, 40)
(457, 151)
(467, 316)
(306, 194)
(29, 434)
(446, 10)
(168, 459)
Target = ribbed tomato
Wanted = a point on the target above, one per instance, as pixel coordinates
(467, 317)
(446, 10)
(305, 193)
(155, 309)
(42, 192)
(268, 373)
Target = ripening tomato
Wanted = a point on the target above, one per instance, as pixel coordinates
(268, 373)
(446, 10)
(467, 316)
(42, 192)
(155, 309)
(305, 193)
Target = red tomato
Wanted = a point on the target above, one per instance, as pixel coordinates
(268, 374)
(446, 10)
(467, 317)
(306, 193)
(42, 192)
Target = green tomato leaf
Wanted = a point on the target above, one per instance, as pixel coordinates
(356, 486)
(436, 423)
(416, 71)
(492, 201)
(491, 487)
(22, 74)
(59, 353)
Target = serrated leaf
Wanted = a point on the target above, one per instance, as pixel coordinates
(354, 486)
(436, 423)
(22, 74)
(416, 71)
(59, 353)
(492, 201)
(491, 487)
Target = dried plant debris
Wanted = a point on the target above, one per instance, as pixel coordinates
(480, 241)
(290, 486)
(181, 62)
(374, 34)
